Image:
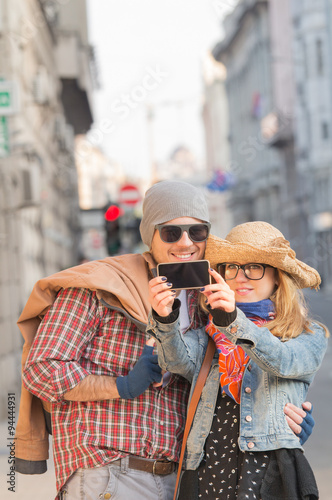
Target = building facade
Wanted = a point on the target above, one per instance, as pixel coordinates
(39, 211)
(279, 95)
(313, 110)
(245, 51)
(216, 129)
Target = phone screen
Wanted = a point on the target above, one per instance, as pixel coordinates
(186, 275)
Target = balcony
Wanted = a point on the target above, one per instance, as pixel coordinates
(277, 129)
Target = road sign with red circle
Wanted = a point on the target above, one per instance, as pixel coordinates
(129, 195)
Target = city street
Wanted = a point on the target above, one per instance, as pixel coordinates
(318, 449)
(100, 101)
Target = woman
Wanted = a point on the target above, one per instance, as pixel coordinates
(268, 350)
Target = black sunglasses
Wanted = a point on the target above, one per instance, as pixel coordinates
(171, 233)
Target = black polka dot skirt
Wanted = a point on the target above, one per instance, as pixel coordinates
(226, 473)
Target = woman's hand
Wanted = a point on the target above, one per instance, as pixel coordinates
(219, 295)
(161, 296)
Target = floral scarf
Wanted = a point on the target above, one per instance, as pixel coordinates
(232, 358)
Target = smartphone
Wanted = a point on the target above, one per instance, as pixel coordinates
(186, 275)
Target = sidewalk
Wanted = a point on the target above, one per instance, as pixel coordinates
(318, 449)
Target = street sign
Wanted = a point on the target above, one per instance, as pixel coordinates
(129, 195)
(4, 99)
(8, 98)
(4, 137)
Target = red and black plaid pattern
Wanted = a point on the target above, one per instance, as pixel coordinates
(80, 336)
(198, 317)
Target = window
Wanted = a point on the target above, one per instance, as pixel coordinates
(319, 57)
(325, 130)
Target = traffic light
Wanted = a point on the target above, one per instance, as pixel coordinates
(113, 212)
(112, 228)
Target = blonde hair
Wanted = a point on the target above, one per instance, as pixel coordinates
(291, 311)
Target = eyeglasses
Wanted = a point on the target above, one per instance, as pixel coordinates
(171, 233)
(251, 271)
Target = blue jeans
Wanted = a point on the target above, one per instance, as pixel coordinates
(118, 482)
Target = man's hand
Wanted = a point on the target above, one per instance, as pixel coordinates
(161, 296)
(300, 420)
(145, 372)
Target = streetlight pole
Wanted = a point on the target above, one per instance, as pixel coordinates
(149, 121)
(150, 116)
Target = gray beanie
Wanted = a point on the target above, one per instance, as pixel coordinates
(169, 200)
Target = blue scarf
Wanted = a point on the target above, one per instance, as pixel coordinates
(259, 309)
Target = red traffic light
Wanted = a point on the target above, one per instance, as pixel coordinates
(113, 212)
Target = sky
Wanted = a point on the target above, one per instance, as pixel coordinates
(150, 55)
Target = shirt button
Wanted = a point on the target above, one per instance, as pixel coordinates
(107, 495)
(234, 329)
(247, 390)
(251, 445)
(248, 418)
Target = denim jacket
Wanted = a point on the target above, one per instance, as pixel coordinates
(277, 373)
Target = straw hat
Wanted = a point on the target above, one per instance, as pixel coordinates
(259, 242)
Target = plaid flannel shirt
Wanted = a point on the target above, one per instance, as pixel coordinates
(79, 336)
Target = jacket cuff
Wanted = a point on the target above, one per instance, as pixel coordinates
(30, 467)
(173, 316)
(223, 318)
(48, 421)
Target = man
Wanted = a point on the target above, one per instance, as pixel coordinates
(115, 427)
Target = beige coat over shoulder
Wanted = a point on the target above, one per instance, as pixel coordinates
(122, 282)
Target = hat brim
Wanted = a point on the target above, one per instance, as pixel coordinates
(280, 256)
